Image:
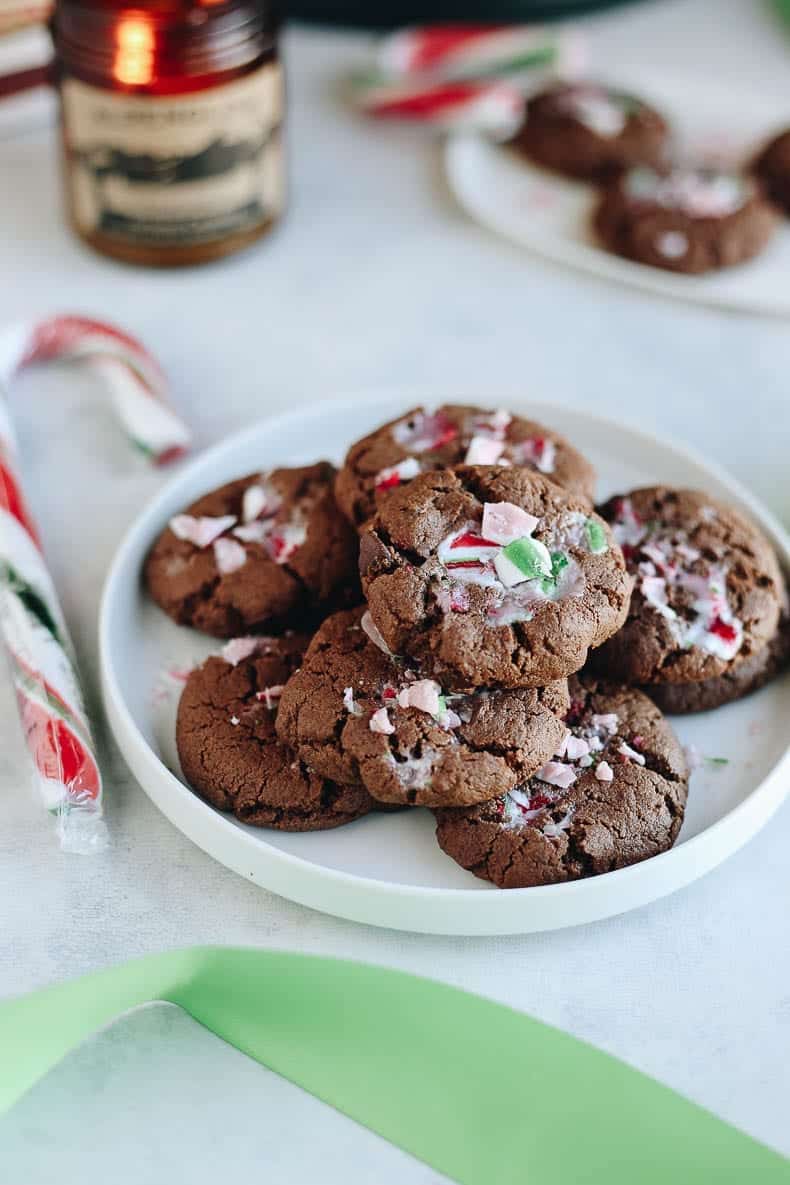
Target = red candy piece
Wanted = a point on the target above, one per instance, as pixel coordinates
(388, 483)
(464, 564)
(469, 539)
(723, 630)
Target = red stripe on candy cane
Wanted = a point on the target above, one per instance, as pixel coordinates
(429, 46)
(12, 500)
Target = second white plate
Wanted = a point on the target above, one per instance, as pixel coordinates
(387, 869)
(551, 215)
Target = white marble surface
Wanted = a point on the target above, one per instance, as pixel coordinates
(376, 277)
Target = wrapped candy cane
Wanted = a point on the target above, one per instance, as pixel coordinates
(463, 77)
(496, 108)
(458, 52)
(43, 667)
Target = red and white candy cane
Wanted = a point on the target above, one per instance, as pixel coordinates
(43, 668)
(495, 107)
(466, 51)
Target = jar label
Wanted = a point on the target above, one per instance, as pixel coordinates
(178, 170)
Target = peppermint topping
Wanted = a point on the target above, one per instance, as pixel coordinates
(629, 754)
(484, 450)
(259, 499)
(583, 747)
(604, 112)
(229, 556)
(349, 703)
(672, 244)
(423, 432)
(238, 649)
(504, 521)
(520, 570)
(557, 773)
(380, 722)
(536, 450)
(596, 537)
(423, 694)
(270, 695)
(696, 193)
(686, 589)
(405, 470)
(523, 559)
(372, 631)
(200, 532)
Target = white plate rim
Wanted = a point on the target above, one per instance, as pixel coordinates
(586, 257)
(388, 904)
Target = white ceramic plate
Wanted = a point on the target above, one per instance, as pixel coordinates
(551, 215)
(387, 869)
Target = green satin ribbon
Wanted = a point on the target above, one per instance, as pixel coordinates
(483, 1094)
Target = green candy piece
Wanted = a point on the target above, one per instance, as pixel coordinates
(558, 561)
(530, 557)
(596, 537)
(442, 705)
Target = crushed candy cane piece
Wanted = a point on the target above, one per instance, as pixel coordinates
(523, 559)
(270, 695)
(229, 556)
(235, 720)
(484, 450)
(563, 745)
(423, 694)
(201, 532)
(607, 722)
(238, 649)
(596, 537)
(557, 773)
(405, 470)
(630, 754)
(575, 748)
(252, 503)
(372, 631)
(604, 771)
(380, 722)
(538, 451)
(349, 703)
(255, 532)
(504, 522)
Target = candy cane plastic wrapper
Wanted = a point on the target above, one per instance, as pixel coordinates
(43, 668)
(465, 77)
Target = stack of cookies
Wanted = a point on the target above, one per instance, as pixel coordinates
(501, 661)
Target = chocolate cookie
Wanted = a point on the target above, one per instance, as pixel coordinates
(229, 750)
(354, 711)
(590, 131)
(615, 795)
(454, 434)
(680, 699)
(772, 166)
(708, 588)
(491, 576)
(684, 220)
(258, 552)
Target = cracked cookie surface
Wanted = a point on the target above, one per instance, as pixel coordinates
(420, 441)
(614, 795)
(708, 589)
(353, 711)
(230, 753)
(256, 553)
(492, 576)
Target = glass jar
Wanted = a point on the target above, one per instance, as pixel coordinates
(172, 120)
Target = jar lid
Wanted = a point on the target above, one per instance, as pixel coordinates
(170, 38)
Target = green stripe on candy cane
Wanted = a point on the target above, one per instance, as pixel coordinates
(479, 1092)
